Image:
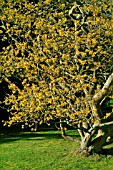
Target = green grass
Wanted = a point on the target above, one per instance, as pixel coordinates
(46, 150)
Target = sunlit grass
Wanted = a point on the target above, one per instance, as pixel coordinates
(46, 150)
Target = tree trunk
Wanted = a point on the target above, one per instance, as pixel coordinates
(103, 137)
(98, 142)
(85, 143)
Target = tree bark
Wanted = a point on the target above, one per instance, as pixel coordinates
(104, 136)
(100, 95)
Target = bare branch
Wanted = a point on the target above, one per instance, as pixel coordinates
(63, 133)
(100, 126)
(100, 95)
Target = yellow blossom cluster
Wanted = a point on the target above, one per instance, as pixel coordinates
(59, 68)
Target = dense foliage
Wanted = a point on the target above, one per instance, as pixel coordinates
(58, 60)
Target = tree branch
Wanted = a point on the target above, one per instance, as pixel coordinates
(100, 126)
(63, 133)
(100, 95)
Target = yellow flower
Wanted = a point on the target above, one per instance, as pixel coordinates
(47, 1)
(62, 6)
(1, 31)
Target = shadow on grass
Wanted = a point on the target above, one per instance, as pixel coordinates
(11, 137)
(41, 135)
(107, 151)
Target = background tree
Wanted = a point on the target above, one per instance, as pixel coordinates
(60, 54)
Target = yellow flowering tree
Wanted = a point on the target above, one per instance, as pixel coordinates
(60, 54)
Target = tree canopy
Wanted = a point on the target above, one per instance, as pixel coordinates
(60, 53)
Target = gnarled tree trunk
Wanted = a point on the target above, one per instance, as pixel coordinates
(102, 128)
(103, 137)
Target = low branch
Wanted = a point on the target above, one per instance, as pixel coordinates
(63, 133)
(100, 126)
(106, 124)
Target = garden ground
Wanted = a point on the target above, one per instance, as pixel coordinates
(47, 150)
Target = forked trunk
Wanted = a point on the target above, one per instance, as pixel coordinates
(103, 137)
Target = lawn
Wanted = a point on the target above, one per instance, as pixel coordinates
(46, 150)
